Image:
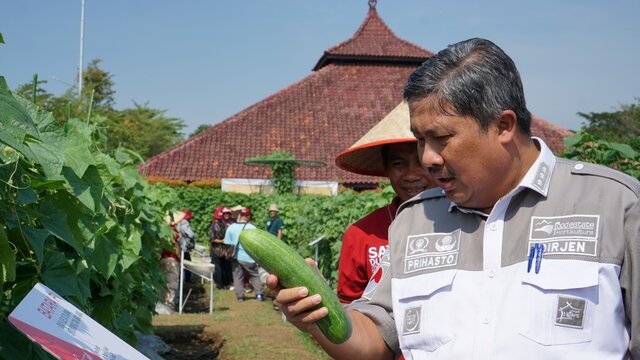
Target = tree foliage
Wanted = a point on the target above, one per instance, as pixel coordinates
(199, 129)
(141, 128)
(621, 126)
(587, 147)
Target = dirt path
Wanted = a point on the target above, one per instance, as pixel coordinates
(235, 331)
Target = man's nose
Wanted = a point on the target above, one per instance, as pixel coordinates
(429, 157)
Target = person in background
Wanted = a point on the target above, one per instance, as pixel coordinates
(235, 212)
(170, 261)
(243, 262)
(222, 271)
(387, 150)
(519, 254)
(186, 236)
(274, 223)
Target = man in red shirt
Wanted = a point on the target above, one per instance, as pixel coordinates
(389, 150)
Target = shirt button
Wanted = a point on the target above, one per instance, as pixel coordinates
(493, 226)
(486, 321)
(491, 273)
(578, 166)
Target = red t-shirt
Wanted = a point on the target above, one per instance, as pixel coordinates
(363, 245)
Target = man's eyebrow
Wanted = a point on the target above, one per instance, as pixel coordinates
(428, 130)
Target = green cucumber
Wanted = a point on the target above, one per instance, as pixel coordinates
(292, 271)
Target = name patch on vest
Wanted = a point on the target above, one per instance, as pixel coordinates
(567, 235)
(431, 251)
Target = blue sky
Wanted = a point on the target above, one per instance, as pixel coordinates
(204, 61)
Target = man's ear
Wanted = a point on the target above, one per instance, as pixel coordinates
(506, 125)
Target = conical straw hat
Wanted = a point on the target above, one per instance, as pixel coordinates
(178, 216)
(365, 156)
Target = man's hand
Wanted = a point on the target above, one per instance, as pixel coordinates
(296, 304)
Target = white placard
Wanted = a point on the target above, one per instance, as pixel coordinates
(66, 332)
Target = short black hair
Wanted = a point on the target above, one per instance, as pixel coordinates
(474, 78)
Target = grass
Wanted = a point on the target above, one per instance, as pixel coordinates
(249, 330)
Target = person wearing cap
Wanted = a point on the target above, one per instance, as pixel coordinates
(222, 270)
(274, 223)
(387, 150)
(242, 262)
(235, 212)
(519, 255)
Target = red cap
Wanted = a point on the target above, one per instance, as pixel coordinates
(245, 212)
(217, 213)
(187, 214)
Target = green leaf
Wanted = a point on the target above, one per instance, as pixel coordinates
(48, 142)
(572, 141)
(59, 274)
(88, 189)
(130, 177)
(15, 121)
(77, 155)
(105, 256)
(27, 196)
(7, 261)
(131, 249)
(36, 239)
(624, 149)
(55, 220)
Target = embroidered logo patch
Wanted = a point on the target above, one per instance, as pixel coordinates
(570, 312)
(431, 251)
(542, 177)
(411, 321)
(570, 234)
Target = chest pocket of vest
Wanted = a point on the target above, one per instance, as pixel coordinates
(559, 302)
(421, 327)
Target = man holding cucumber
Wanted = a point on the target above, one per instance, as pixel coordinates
(387, 150)
(517, 255)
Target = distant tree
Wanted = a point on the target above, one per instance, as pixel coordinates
(98, 84)
(63, 107)
(622, 126)
(42, 97)
(199, 129)
(143, 129)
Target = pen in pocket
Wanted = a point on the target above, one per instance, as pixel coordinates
(535, 253)
(539, 251)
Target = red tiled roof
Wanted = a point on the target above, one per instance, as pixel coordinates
(355, 84)
(313, 119)
(374, 41)
(552, 134)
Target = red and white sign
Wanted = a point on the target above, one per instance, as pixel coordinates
(65, 331)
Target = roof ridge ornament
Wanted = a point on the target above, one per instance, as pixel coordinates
(372, 3)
